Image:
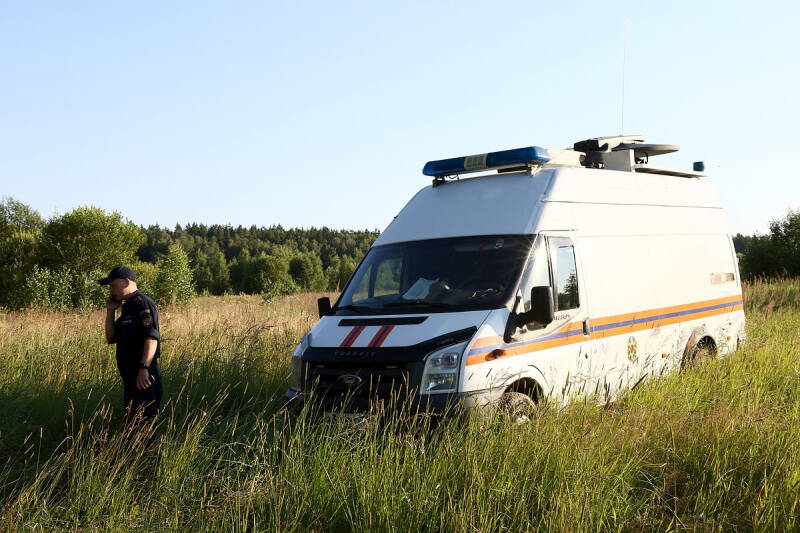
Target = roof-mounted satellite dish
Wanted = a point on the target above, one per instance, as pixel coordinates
(598, 149)
(647, 149)
(605, 144)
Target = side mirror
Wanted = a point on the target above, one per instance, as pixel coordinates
(542, 311)
(323, 306)
(542, 308)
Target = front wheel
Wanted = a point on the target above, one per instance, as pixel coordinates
(517, 407)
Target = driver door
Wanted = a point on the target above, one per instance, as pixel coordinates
(560, 350)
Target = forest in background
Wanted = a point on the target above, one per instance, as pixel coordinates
(252, 260)
(55, 263)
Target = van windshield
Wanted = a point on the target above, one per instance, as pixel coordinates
(437, 275)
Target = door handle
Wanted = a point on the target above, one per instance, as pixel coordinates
(586, 329)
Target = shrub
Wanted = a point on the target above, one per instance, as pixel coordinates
(88, 238)
(86, 292)
(273, 289)
(16, 216)
(146, 274)
(262, 274)
(59, 290)
(776, 254)
(270, 274)
(20, 230)
(339, 272)
(17, 257)
(45, 289)
(173, 283)
(306, 271)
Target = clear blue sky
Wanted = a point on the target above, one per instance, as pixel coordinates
(310, 114)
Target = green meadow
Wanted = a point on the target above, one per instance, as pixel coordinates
(715, 448)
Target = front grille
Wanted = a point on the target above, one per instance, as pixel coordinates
(361, 380)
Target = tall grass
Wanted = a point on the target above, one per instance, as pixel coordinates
(716, 448)
(765, 295)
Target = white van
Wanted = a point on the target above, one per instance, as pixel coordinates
(552, 274)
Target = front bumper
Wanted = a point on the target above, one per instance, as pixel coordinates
(424, 403)
(361, 379)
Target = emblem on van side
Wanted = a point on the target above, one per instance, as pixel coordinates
(632, 349)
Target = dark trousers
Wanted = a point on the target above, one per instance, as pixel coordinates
(147, 400)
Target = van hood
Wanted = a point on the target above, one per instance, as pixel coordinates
(390, 331)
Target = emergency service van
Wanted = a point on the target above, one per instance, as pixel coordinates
(550, 274)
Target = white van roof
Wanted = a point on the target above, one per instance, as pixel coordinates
(514, 203)
(500, 204)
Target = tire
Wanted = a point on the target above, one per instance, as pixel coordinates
(701, 353)
(516, 407)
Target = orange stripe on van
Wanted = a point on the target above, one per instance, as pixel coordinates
(498, 339)
(663, 310)
(491, 347)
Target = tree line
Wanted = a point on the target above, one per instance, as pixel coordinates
(55, 263)
(261, 259)
(772, 255)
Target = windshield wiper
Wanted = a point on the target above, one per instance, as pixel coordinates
(351, 307)
(421, 303)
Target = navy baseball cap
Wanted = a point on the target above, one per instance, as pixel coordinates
(118, 272)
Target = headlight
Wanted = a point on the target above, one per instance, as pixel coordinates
(441, 370)
(296, 376)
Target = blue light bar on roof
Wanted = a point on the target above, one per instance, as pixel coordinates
(492, 160)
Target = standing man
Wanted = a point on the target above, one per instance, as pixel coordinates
(138, 342)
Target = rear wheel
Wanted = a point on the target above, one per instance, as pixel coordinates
(702, 352)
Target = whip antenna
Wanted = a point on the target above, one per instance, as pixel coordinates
(624, 58)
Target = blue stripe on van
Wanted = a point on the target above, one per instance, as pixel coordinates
(558, 335)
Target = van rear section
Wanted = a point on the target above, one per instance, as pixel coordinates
(565, 273)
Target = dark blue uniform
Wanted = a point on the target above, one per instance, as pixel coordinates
(138, 321)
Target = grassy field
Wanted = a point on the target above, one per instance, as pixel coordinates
(713, 449)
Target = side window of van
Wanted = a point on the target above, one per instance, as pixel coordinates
(537, 272)
(565, 273)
